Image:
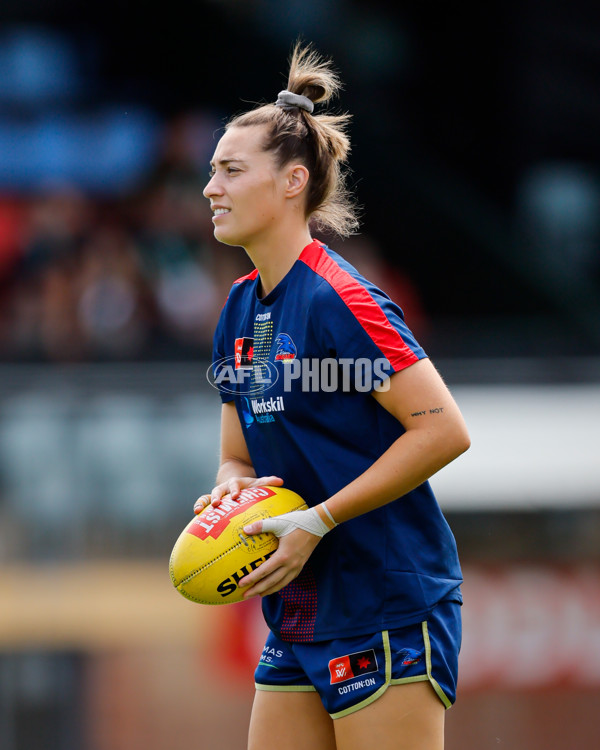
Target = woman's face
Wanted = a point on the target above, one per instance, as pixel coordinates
(246, 189)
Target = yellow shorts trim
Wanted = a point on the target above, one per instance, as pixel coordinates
(440, 693)
(406, 680)
(286, 688)
(416, 678)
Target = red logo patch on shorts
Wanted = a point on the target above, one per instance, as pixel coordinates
(352, 665)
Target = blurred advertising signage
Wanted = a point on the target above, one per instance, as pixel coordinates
(530, 627)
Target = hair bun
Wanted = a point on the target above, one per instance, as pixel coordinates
(289, 100)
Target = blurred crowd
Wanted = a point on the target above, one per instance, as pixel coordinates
(85, 277)
(134, 276)
(106, 241)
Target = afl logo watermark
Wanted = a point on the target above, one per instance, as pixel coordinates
(227, 376)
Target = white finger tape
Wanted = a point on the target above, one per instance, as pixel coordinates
(308, 520)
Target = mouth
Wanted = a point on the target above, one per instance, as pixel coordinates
(220, 212)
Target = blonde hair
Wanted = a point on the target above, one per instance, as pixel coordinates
(320, 141)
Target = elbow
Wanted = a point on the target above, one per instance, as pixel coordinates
(444, 445)
(453, 442)
(466, 443)
(461, 441)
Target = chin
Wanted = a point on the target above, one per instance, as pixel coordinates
(228, 238)
(223, 236)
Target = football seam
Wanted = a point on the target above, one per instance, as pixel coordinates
(194, 573)
(193, 598)
(212, 562)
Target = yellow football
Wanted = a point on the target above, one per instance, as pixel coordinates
(212, 553)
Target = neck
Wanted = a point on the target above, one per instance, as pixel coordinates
(275, 257)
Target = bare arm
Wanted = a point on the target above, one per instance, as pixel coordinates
(235, 465)
(435, 435)
(234, 457)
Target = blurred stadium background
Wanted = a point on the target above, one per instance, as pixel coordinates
(477, 160)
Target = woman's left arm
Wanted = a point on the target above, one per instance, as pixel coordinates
(435, 434)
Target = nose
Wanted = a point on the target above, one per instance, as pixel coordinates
(212, 188)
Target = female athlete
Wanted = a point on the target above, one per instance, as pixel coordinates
(333, 397)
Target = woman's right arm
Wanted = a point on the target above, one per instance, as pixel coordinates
(235, 466)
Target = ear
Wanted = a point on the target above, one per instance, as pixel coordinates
(296, 180)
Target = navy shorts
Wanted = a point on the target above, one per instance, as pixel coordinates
(350, 673)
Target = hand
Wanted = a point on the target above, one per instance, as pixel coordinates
(283, 566)
(299, 533)
(232, 488)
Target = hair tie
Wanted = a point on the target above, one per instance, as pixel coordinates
(288, 100)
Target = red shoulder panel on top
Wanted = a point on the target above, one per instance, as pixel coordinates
(249, 276)
(360, 303)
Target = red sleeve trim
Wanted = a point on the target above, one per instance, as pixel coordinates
(360, 303)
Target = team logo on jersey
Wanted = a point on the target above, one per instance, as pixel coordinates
(286, 349)
(243, 352)
(352, 665)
